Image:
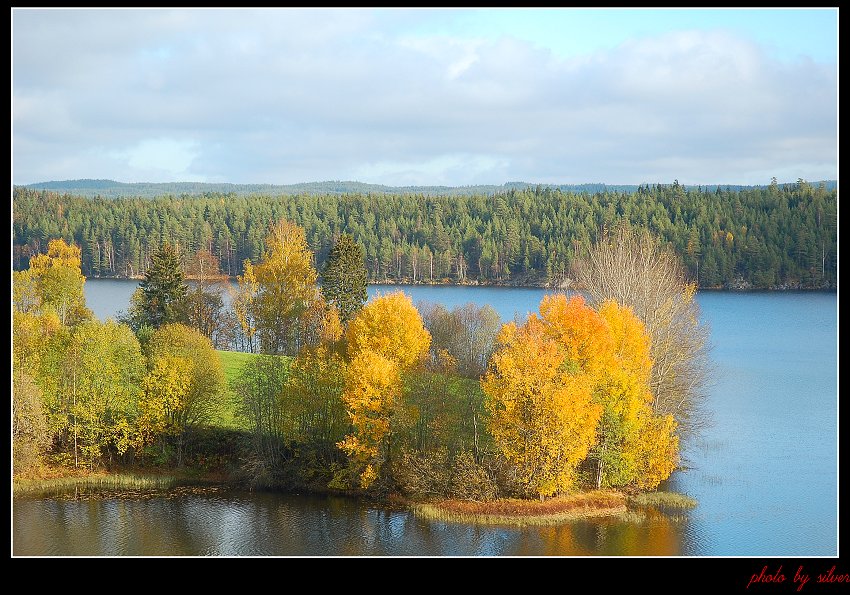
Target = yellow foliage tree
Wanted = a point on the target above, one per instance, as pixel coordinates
(59, 254)
(385, 338)
(574, 384)
(165, 389)
(47, 300)
(242, 302)
(373, 387)
(542, 414)
(30, 433)
(59, 282)
(636, 447)
(31, 333)
(98, 389)
(651, 449)
(25, 292)
(320, 324)
(206, 376)
(580, 331)
(286, 289)
(625, 385)
(391, 326)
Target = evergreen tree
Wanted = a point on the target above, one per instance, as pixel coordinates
(344, 277)
(163, 289)
(468, 237)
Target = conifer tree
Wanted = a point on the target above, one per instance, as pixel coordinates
(344, 277)
(163, 289)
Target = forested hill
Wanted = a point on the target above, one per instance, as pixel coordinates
(779, 236)
(113, 189)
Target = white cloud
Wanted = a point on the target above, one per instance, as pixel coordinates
(167, 159)
(288, 96)
(450, 170)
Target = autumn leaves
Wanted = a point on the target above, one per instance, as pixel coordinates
(570, 386)
(563, 400)
(385, 338)
(568, 389)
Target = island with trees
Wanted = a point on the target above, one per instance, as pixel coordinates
(301, 383)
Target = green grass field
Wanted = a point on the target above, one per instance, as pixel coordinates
(232, 362)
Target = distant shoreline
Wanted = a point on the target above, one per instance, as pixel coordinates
(738, 288)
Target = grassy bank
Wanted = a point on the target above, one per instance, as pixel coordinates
(50, 480)
(516, 512)
(232, 362)
(663, 501)
(521, 513)
(96, 481)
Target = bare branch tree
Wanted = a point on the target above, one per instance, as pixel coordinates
(631, 267)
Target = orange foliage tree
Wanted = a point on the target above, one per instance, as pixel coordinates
(571, 386)
(540, 394)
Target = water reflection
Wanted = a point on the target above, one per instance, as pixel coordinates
(264, 524)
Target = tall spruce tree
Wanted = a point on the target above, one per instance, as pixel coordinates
(344, 277)
(163, 289)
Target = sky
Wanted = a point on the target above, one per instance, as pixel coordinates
(424, 96)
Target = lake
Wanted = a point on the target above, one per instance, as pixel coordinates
(764, 472)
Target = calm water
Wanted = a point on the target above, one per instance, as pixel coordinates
(764, 473)
(262, 524)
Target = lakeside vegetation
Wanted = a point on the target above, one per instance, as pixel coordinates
(44, 486)
(515, 512)
(775, 236)
(663, 500)
(336, 393)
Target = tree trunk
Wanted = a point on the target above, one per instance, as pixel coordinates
(475, 437)
(74, 392)
(600, 465)
(180, 449)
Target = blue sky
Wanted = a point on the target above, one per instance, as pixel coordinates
(425, 96)
(787, 34)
